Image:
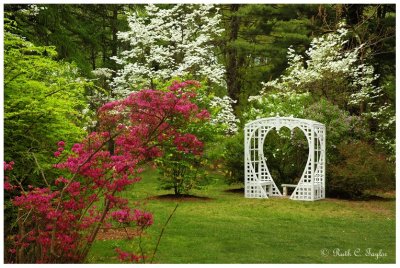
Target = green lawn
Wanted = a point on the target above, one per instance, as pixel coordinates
(232, 229)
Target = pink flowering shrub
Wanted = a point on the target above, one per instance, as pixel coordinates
(183, 166)
(59, 223)
(127, 256)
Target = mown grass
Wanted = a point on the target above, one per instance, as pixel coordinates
(229, 228)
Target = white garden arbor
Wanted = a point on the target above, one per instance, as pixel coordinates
(258, 180)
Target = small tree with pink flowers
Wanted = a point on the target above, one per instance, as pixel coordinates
(59, 223)
(181, 168)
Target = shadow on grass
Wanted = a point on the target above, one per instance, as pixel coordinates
(181, 197)
(377, 196)
(373, 198)
(366, 197)
(235, 191)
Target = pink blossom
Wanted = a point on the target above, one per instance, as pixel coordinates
(188, 143)
(61, 144)
(8, 166)
(77, 148)
(122, 216)
(204, 114)
(143, 218)
(57, 154)
(61, 180)
(74, 188)
(53, 214)
(8, 186)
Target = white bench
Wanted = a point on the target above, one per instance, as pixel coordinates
(285, 186)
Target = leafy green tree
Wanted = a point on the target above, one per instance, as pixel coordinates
(42, 99)
(42, 102)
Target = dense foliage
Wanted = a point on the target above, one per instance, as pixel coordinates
(360, 169)
(42, 98)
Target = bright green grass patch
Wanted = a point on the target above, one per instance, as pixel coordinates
(232, 229)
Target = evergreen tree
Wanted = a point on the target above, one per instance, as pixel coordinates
(84, 34)
(256, 40)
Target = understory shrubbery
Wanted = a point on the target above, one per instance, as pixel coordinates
(360, 168)
(233, 158)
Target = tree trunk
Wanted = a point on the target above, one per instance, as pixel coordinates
(233, 82)
(176, 192)
(21, 227)
(114, 40)
(354, 13)
(93, 58)
(114, 31)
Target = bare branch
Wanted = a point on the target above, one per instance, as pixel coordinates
(162, 232)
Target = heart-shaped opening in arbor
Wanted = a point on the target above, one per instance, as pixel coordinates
(286, 152)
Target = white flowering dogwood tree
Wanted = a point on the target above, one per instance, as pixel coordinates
(329, 69)
(169, 42)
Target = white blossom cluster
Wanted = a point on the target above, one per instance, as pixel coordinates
(224, 114)
(33, 10)
(327, 55)
(167, 43)
(103, 72)
(280, 103)
(386, 118)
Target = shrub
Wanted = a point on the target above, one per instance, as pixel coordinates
(181, 171)
(360, 168)
(340, 125)
(234, 158)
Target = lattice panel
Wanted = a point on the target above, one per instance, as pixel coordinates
(275, 190)
(253, 190)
